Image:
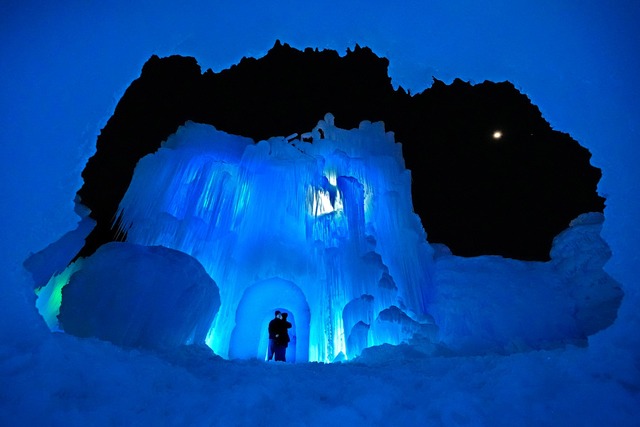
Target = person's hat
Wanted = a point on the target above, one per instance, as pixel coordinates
(278, 312)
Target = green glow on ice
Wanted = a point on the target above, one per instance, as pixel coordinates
(50, 295)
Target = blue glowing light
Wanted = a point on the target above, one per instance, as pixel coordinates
(308, 229)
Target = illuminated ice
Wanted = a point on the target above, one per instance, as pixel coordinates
(323, 229)
(319, 226)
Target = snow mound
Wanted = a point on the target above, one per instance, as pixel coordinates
(138, 296)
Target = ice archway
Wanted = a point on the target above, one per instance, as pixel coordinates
(256, 309)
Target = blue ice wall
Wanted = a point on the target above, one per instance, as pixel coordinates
(65, 65)
(309, 224)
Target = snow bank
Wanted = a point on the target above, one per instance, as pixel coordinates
(138, 296)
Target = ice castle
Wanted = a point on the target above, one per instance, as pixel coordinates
(219, 232)
(319, 225)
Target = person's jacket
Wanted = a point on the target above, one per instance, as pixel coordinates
(284, 326)
(274, 328)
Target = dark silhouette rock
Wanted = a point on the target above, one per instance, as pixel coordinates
(476, 194)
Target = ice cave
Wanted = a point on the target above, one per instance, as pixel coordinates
(138, 292)
(320, 225)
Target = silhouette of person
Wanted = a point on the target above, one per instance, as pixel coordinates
(282, 338)
(274, 328)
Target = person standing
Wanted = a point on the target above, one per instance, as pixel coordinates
(274, 328)
(282, 338)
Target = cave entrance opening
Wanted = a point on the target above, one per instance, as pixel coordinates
(256, 309)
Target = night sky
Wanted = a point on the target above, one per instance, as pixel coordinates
(477, 191)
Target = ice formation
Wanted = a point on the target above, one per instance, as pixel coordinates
(490, 304)
(64, 66)
(319, 225)
(139, 296)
